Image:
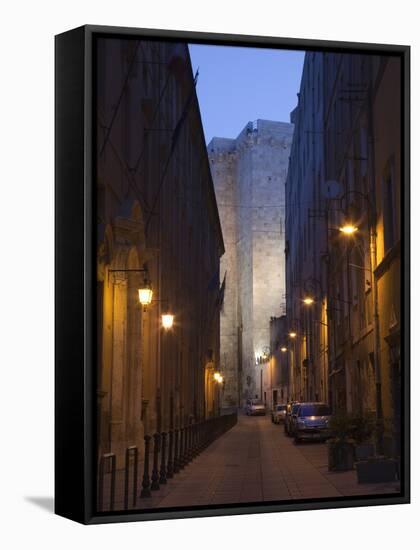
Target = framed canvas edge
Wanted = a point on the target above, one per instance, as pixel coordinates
(86, 515)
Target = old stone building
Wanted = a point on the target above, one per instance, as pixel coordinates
(249, 173)
(277, 375)
(306, 241)
(157, 219)
(343, 238)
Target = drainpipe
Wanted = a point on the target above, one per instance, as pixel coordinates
(373, 262)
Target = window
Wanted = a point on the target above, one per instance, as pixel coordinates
(389, 206)
(314, 410)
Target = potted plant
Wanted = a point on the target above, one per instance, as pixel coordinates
(376, 469)
(341, 444)
(363, 433)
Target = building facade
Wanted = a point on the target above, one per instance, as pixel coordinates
(157, 218)
(352, 204)
(249, 174)
(306, 241)
(276, 376)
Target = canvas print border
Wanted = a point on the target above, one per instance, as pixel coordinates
(76, 265)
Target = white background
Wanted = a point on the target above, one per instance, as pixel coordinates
(26, 271)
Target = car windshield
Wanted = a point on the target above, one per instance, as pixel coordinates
(314, 410)
(281, 407)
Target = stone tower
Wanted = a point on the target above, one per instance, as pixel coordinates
(249, 175)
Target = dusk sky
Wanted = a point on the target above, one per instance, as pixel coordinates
(238, 85)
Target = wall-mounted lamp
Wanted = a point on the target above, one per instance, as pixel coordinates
(167, 321)
(218, 377)
(145, 293)
(348, 229)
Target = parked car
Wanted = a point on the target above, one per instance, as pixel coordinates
(311, 422)
(278, 413)
(255, 407)
(291, 411)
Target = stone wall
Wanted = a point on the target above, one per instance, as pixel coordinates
(249, 175)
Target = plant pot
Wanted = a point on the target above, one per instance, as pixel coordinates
(364, 451)
(376, 470)
(340, 456)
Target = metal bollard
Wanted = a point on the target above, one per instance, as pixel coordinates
(202, 432)
(131, 452)
(162, 477)
(145, 492)
(176, 452)
(187, 445)
(170, 466)
(191, 444)
(106, 458)
(194, 441)
(184, 447)
(155, 472)
(181, 449)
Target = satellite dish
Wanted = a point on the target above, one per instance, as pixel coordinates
(333, 189)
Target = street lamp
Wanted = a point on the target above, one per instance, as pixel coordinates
(308, 301)
(292, 334)
(145, 291)
(145, 294)
(283, 349)
(218, 377)
(167, 320)
(348, 228)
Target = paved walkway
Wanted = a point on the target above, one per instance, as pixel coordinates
(255, 461)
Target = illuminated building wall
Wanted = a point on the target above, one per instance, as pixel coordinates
(249, 175)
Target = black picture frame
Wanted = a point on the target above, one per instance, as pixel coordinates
(75, 268)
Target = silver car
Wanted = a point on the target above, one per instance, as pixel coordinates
(312, 422)
(255, 407)
(278, 413)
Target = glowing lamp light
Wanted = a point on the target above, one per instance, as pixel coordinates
(348, 229)
(283, 349)
(167, 321)
(218, 377)
(145, 294)
(292, 334)
(308, 301)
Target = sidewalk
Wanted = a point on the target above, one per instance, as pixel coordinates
(256, 462)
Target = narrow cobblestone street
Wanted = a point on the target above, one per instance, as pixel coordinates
(256, 462)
